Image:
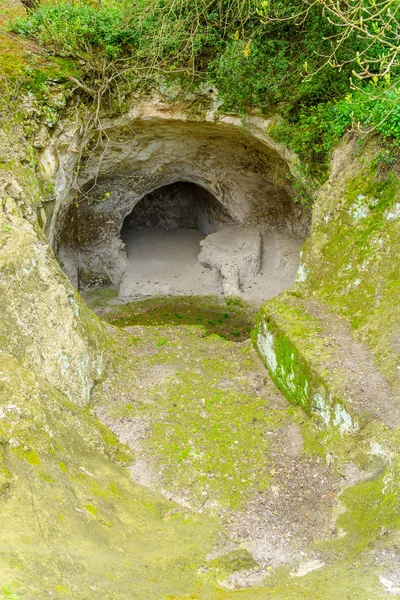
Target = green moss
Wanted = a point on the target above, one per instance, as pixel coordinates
(31, 456)
(100, 297)
(113, 489)
(93, 510)
(238, 560)
(62, 589)
(110, 536)
(121, 536)
(289, 328)
(209, 437)
(352, 260)
(224, 451)
(131, 340)
(307, 365)
(234, 322)
(46, 478)
(236, 301)
(372, 507)
(5, 478)
(108, 436)
(313, 439)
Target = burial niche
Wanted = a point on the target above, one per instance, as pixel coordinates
(162, 236)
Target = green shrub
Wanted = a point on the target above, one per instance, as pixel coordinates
(375, 107)
(70, 29)
(276, 66)
(247, 76)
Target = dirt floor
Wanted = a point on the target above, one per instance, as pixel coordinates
(165, 263)
(211, 432)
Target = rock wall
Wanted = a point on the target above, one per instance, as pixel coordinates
(44, 323)
(64, 494)
(351, 261)
(332, 344)
(57, 462)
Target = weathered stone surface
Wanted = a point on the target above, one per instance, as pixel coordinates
(349, 266)
(43, 321)
(72, 521)
(351, 260)
(312, 357)
(177, 206)
(236, 253)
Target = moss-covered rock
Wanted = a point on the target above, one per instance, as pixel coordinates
(331, 346)
(44, 322)
(349, 267)
(73, 524)
(314, 360)
(351, 260)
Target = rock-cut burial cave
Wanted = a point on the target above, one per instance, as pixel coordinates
(181, 208)
(171, 424)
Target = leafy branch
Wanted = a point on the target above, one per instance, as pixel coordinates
(374, 25)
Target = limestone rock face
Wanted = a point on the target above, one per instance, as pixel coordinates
(351, 260)
(241, 172)
(71, 518)
(44, 323)
(333, 346)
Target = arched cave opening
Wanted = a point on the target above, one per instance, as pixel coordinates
(162, 236)
(178, 203)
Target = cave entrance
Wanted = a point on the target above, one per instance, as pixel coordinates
(145, 201)
(162, 237)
